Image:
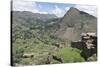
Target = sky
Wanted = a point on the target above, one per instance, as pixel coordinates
(59, 9)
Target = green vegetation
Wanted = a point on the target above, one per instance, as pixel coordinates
(30, 38)
(70, 55)
(36, 38)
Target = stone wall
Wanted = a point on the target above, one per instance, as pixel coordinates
(88, 45)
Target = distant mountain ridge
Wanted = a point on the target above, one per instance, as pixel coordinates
(34, 15)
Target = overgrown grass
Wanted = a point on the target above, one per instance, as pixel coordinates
(69, 55)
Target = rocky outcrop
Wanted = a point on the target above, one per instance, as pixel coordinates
(88, 45)
(53, 57)
(59, 45)
(28, 55)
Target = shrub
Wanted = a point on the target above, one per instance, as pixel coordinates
(26, 61)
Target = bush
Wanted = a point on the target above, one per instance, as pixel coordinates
(26, 61)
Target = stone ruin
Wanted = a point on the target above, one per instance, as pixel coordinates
(87, 44)
(90, 40)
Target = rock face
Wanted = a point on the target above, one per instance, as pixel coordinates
(88, 45)
(26, 55)
(74, 23)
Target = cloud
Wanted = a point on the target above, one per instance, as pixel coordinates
(58, 11)
(87, 8)
(67, 8)
(26, 6)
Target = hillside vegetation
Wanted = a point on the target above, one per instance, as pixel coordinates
(45, 39)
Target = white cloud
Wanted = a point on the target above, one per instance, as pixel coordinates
(67, 8)
(91, 2)
(39, 6)
(92, 10)
(58, 11)
(26, 6)
(43, 12)
(89, 9)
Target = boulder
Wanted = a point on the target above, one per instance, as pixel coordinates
(28, 55)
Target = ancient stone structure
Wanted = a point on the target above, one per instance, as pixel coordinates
(88, 45)
(90, 40)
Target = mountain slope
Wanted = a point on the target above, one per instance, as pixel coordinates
(27, 14)
(74, 23)
(40, 36)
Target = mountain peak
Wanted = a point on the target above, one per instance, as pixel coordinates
(73, 10)
(75, 22)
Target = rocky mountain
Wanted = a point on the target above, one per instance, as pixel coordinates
(74, 23)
